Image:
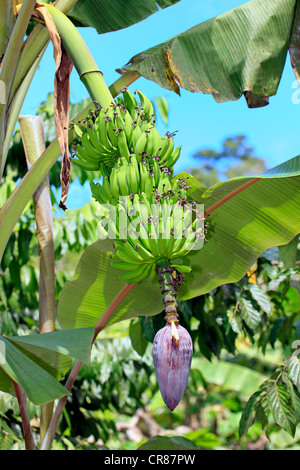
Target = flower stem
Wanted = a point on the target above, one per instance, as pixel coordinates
(168, 282)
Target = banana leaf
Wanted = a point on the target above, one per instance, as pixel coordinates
(247, 216)
(37, 362)
(242, 51)
(114, 15)
(86, 297)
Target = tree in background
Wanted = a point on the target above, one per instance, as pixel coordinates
(235, 158)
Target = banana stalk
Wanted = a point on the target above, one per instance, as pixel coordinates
(79, 53)
(28, 59)
(168, 291)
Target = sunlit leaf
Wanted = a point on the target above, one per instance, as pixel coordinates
(35, 362)
(261, 298)
(281, 406)
(242, 51)
(245, 216)
(293, 369)
(114, 15)
(94, 286)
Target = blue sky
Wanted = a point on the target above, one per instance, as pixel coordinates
(201, 122)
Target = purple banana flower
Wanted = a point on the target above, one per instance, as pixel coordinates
(172, 356)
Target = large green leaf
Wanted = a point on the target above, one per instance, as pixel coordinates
(247, 216)
(40, 386)
(35, 362)
(94, 286)
(231, 376)
(241, 51)
(114, 15)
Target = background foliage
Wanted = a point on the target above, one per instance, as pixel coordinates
(243, 337)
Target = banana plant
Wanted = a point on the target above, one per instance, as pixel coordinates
(181, 239)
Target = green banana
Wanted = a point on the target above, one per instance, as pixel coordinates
(143, 175)
(111, 128)
(82, 154)
(156, 172)
(144, 201)
(114, 185)
(167, 152)
(146, 104)
(86, 165)
(123, 265)
(136, 134)
(128, 127)
(105, 171)
(130, 104)
(121, 255)
(164, 144)
(106, 188)
(144, 253)
(77, 130)
(141, 144)
(161, 236)
(119, 123)
(149, 185)
(96, 192)
(172, 159)
(143, 124)
(132, 178)
(122, 180)
(94, 139)
(132, 252)
(149, 143)
(153, 242)
(89, 149)
(156, 140)
(137, 275)
(144, 238)
(151, 274)
(101, 131)
(123, 145)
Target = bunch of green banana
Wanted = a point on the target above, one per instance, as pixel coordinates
(151, 227)
(130, 177)
(125, 128)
